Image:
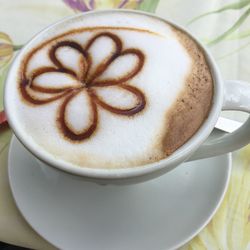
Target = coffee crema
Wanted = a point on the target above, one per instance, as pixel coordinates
(124, 94)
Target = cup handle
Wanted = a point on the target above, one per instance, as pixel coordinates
(236, 97)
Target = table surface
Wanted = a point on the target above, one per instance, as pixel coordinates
(230, 227)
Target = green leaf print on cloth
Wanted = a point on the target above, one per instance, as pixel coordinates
(229, 34)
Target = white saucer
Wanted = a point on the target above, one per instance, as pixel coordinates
(161, 214)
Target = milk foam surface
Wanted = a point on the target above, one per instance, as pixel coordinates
(139, 87)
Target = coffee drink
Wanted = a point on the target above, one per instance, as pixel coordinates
(112, 90)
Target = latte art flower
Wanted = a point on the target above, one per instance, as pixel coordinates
(85, 81)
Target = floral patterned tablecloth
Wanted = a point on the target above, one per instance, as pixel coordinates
(223, 25)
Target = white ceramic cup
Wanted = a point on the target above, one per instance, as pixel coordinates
(228, 95)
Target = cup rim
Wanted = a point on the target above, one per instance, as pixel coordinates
(181, 154)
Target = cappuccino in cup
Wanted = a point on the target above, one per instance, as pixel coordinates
(112, 90)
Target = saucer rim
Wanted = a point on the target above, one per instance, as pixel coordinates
(228, 171)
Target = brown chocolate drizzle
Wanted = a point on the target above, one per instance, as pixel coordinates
(141, 102)
(128, 76)
(64, 68)
(102, 66)
(87, 80)
(68, 132)
(43, 70)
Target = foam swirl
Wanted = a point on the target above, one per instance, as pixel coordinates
(85, 78)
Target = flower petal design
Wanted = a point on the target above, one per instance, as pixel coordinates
(53, 81)
(79, 5)
(6, 48)
(122, 99)
(121, 69)
(78, 75)
(71, 57)
(4, 38)
(39, 92)
(101, 49)
(78, 116)
(38, 98)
